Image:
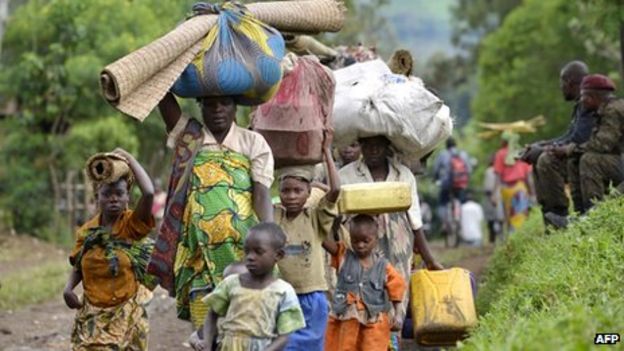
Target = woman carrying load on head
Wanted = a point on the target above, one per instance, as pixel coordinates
(109, 258)
(218, 189)
(400, 234)
(514, 182)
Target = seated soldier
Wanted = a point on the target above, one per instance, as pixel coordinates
(552, 169)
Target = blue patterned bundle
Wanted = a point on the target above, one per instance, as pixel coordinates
(240, 57)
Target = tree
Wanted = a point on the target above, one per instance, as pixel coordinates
(603, 23)
(52, 54)
(474, 19)
(451, 79)
(455, 77)
(365, 24)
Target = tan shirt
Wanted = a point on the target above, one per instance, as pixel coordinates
(357, 172)
(304, 264)
(241, 140)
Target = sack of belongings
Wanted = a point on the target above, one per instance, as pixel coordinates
(240, 57)
(293, 122)
(370, 100)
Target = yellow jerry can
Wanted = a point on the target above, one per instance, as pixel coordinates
(375, 198)
(443, 307)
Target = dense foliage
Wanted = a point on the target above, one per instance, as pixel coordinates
(53, 52)
(554, 292)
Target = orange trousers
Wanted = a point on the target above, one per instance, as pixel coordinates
(351, 335)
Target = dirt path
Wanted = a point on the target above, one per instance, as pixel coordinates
(47, 326)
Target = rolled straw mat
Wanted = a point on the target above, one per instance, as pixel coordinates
(401, 62)
(136, 83)
(107, 168)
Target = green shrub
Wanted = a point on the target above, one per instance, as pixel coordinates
(554, 292)
(25, 192)
(87, 138)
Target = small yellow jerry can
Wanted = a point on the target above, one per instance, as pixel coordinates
(443, 307)
(375, 198)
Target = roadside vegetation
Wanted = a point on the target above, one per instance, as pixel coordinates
(554, 291)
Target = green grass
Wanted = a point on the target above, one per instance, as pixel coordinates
(554, 292)
(33, 285)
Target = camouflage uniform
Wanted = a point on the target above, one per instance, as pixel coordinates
(551, 172)
(601, 161)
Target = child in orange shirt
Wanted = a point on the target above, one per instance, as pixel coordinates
(368, 288)
(109, 259)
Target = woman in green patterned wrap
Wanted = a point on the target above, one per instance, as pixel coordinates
(226, 182)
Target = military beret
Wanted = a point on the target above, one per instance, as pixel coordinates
(597, 82)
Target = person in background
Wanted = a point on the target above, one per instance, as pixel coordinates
(427, 216)
(368, 288)
(348, 154)
(471, 221)
(109, 259)
(306, 228)
(514, 182)
(552, 167)
(601, 161)
(258, 311)
(492, 203)
(451, 171)
(400, 233)
(219, 188)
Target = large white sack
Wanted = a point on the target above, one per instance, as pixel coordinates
(369, 101)
(351, 74)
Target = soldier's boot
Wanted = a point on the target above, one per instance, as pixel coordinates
(556, 221)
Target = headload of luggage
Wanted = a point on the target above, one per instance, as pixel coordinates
(371, 100)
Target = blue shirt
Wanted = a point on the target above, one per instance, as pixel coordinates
(581, 127)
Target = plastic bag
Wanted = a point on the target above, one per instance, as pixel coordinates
(294, 120)
(372, 101)
(240, 57)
